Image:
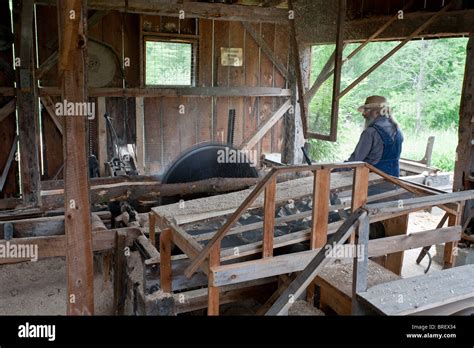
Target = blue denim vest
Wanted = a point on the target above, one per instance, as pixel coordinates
(392, 148)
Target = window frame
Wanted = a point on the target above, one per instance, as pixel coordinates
(194, 48)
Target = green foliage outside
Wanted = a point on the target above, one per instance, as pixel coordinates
(423, 83)
(168, 63)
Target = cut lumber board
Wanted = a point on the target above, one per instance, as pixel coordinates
(417, 294)
(208, 207)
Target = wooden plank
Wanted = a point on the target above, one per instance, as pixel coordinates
(418, 203)
(281, 51)
(397, 243)
(102, 135)
(72, 62)
(7, 109)
(265, 126)
(216, 11)
(205, 53)
(360, 265)
(221, 79)
(153, 134)
(320, 211)
(269, 218)
(267, 71)
(166, 239)
(421, 293)
(152, 228)
(315, 265)
(237, 79)
(266, 48)
(119, 273)
(140, 134)
(213, 291)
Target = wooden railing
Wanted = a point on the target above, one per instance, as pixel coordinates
(319, 212)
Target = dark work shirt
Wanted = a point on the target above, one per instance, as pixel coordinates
(370, 146)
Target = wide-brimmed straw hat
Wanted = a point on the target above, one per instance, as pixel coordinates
(374, 102)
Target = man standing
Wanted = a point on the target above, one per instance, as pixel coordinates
(380, 143)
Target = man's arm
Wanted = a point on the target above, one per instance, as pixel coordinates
(363, 147)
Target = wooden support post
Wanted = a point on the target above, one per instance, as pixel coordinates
(360, 188)
(73, 76)
(297, 67)
(140, 131)
(166, 240)
(361, 262)
(337, 70)
(450, 248)
(320, 213)
(269, 218)
(102, 135)
(213, 291)
(28, 111)
(395, 227)
(152, 228)
(463, 180)
(119, 273)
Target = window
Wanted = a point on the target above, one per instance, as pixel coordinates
(169, 63)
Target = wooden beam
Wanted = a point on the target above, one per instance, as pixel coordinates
(265, 127)
(393, 227)
(213, 291)
(315, 266)
(166, 240)
(464, 151)
(49, 106)
(55, 246)
(269, 218)
(7, 109)
(213, 11)
(197, 92)
(337, 70)
(28, 111)
(320, 211)
(102, 135)
(73, 77)
(119, 273)
(360, 189)
(140, 133)
(398, 243)
(297, 68)
(397, 48)
(266, 49)
(360, 265)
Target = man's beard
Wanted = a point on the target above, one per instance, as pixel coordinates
(368, 121)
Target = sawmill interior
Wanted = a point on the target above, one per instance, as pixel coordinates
(155, 160)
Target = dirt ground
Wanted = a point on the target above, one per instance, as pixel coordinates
(39, 288)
